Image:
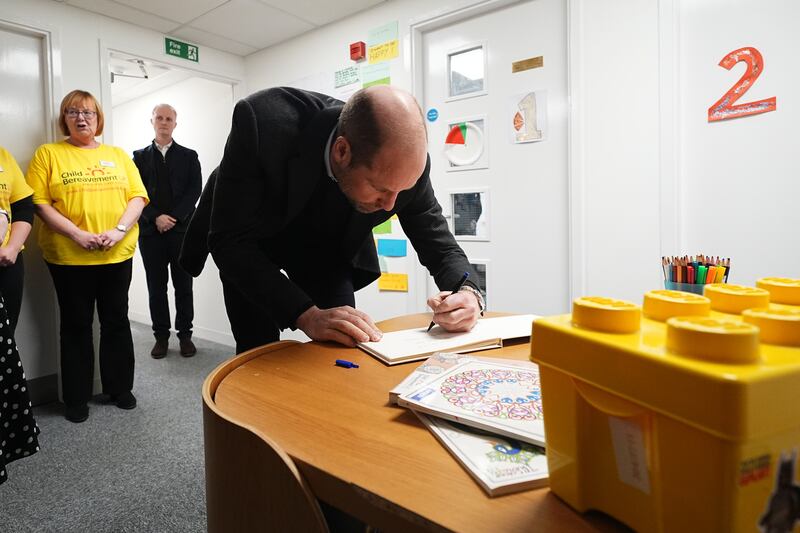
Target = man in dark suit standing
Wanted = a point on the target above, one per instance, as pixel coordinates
(172, 176)
(302, 182)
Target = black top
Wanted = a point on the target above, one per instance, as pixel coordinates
(177, 189)
(274, 207)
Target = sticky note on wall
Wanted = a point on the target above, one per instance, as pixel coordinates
(393, 282)
(392, 247)
(383, 227)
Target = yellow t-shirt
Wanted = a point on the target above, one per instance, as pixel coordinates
(12, 185)
(90, 187)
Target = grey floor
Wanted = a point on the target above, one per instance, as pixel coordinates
(120, 471)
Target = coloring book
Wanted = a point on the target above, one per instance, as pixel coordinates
(500, 465)
(487, 394)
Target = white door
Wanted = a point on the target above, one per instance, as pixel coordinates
(23, 127)
(498, 145)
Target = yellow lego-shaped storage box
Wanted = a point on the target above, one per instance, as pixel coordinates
(682, 414)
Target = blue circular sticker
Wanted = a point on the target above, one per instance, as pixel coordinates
(433, 114)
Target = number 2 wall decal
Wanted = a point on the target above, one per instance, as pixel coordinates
(723, 109)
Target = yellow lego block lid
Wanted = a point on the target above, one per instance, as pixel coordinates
(729, 375)
(735, 298)
(606, 314)
(778, 326)
(781, 290)
(663, 304)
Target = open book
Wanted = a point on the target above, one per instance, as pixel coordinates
(500, 465)
(415, 344)
(487, 394)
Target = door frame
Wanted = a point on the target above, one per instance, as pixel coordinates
(107, 48)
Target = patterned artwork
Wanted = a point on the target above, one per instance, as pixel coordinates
(502, 397)
(496, 393)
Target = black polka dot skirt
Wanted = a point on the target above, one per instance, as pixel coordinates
(18, 429)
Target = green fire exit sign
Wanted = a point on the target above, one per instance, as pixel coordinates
(182, 50)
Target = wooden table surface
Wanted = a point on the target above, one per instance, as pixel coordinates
(374, 460)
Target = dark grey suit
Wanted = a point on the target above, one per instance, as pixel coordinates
(173, 185)
(274, 208)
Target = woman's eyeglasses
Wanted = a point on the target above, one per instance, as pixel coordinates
(73, 113)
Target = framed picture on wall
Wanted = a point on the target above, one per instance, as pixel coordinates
(467, 66)
(470, 214)
(481, 267)
(466, 144)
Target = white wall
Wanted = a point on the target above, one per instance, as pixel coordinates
(204, 112)
(651, 175)
(739, 178)
(615, 173)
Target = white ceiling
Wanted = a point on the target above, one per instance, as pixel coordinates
(240, 27)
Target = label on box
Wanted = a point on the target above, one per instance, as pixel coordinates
(629, 449)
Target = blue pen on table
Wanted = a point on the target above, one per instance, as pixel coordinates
(345, 364)
(458, 288)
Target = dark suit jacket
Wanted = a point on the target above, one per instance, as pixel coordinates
(185, 180)
(272, 166)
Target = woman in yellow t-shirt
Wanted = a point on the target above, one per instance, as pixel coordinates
(16, 208)
(19, 433)
(89, 196)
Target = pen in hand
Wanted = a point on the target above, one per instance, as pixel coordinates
(458, 288)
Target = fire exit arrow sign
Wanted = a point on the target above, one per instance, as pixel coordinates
(180, 49)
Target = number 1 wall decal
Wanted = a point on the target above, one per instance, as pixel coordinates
(723, 109)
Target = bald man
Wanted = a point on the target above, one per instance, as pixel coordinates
(171, 174)
(289, 218)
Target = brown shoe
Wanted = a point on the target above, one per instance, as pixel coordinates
(188, 348)
(159, 350)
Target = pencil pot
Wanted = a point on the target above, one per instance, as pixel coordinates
(696, 288)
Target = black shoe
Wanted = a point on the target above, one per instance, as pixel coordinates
(126, 400)
(159, 350)
(77, 413)
(188, 348)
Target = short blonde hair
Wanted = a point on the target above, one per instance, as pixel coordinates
(74, 99)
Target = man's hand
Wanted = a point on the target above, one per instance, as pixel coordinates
(165, 223)
(344, 325)
(455, 311)
(8, 255)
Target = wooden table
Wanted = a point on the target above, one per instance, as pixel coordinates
(360, 454)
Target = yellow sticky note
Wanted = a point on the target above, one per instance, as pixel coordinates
(383, 51)
(393, 282)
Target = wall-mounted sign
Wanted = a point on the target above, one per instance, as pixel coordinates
(527, 64)
(180, 49)
(433, 114)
